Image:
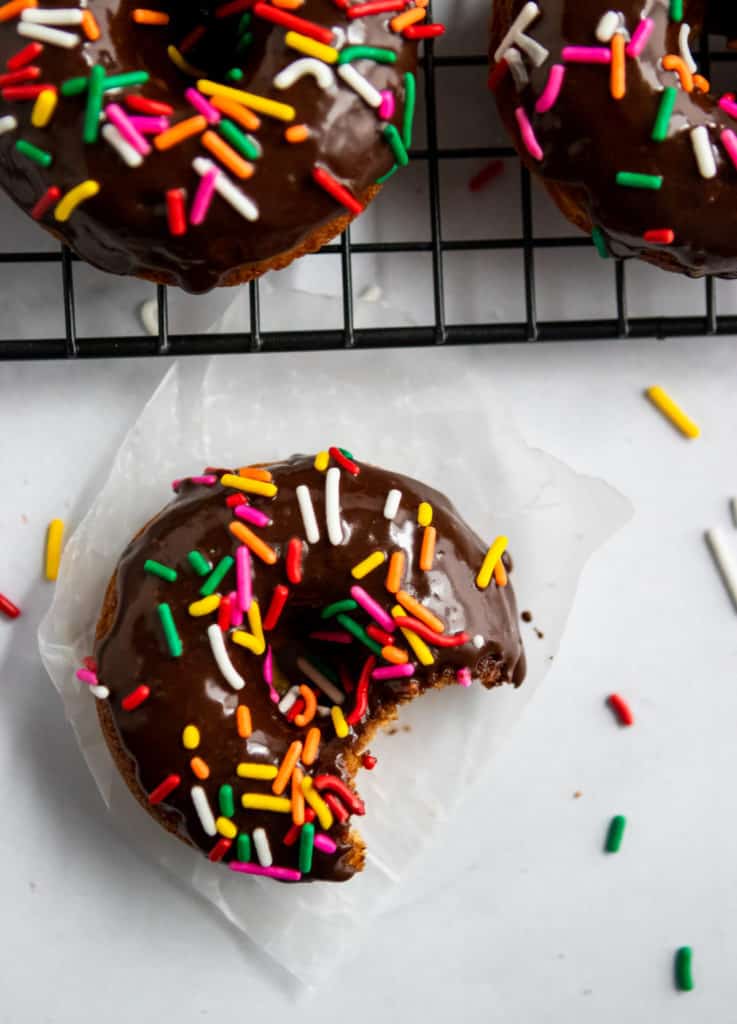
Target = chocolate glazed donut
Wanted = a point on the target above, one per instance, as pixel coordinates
(607, 106)
(201, 144)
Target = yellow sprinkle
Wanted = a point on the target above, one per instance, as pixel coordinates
(226, 828)
(176, 58)
(491, 557)
(68, 203)
(418, 645)
(54, 538)
(191, 737)
(339, 722)
(245, 483)
(253, 770)
(304, 44)
(281, 111)
(316, 802)
(253, 641)
(208, 604)
(265, 802)
(673, 412)
(368, 565)
(424, 513)
(43, 108)
(322, 460)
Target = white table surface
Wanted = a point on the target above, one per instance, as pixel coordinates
(538, 925)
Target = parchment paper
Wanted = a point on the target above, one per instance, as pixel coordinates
(444, 429)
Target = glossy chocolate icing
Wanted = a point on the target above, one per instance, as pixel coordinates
(588, 136)
(190, 689)
(124, 228)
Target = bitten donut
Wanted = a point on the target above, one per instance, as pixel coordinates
(258, 631)
(608, 106)
(201, 144)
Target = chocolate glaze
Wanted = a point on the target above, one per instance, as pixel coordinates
(588, 136)
(124, 228)
(190, 689)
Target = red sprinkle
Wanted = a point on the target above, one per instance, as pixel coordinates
(164, 788)
(296, 709)
(331, 782)
(146, 106)
(424, 31)
(621, 709)
(278, 600)
(236, 499)
(292, 835)
(135, 698)
(345, 678)
(361, 705)
(26, 92)
(337, 455)
(334, 188)
(219, 850)
(369, 761)
(90, 663)
(336, 807)
(192, 38)
(436, 639)
(379, 635)
(486, 175)
(224, 613)
(376, 7)
(8, 608)
(175, 211)
(29, 74)
(307, 28)
(496, 75)
(661, 236)
(44, 204)
(24, 56)
(294, 560)
(234, 7)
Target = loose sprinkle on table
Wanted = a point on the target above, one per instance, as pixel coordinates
(683, 969)
(8, 608)
(724, 560)
(621, 709)
(673, 412)
(615, 833)
(54, 538)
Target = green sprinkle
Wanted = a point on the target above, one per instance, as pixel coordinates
(213, 580)
(632, 180)
(599, 239)
(239, 140)
(73, 86)
(200, 565)
(615, 834)
(676, 10)
(410, 97)
(662, 119)
(225, 799)
(128, 78)
(244, 42)
(306, 847)
(394, 139)
(91, 129)
(348, 455)
(39, 156)
(173, 641)
(157, 569)
(359, 632)
(234, 75)
(243, 847)
(684, 969)
(245, 21)
(388, 175)
(349, 605)
(380, 55)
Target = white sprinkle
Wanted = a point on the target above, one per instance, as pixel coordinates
(725, 561)
(322, 711)
(217, 643)
(516, 37)
(733, 508)
(391, 505)
(608, 25)
(321, 72)
(359, 84)
(316, 676)
(517, 67)
(44, 16)
(478, 641)
(125, 151)
(7, 124)
(332, 505)
(288, 700)
(263, 850)
(683, 33)
(148, 312)
(204, 811)
(52, 36)
(101, 692)
(304, 500)
(703, 151)
(227, 190)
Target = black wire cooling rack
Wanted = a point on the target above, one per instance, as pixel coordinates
(440, 331)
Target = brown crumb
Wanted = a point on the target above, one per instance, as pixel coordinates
(578, 794)
(526, 616)
(393, 731)
(539, 633)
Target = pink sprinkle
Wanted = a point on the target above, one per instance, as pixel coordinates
(236, 612)
(268, 670)
(373, 608)
(386, 110)
(251, 515)
(203, 196)
(729, 141)
(586, 55)
(198, 101)
(149, 125)
(463, 677)
(393, 672)
(338, 637)
(86, 676)
(528, 136)
(325, 843)
(283, 874)
(243, 577)
(550, 93)
(640, 37)
(175, 484)
(117, 116)
(205, 481)
(728, 105)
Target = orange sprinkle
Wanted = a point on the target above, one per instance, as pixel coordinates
(243, 721)
(8, 11)
(617, 78)
(145, 16)
(407, 18)
(394, 654)
(288, 5)
(289, 762)
(180, 132)
(90, 27)
(312, 745)
(427, 551)
(305, 717)
(200, 768)
(672, 62)
(420, 611)
(240, 114)
(254, 473)
(500, 574)
(297, 133)
(227, 155)
(701, 83)
(395, 572)
(259, 547)
(298, 799)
